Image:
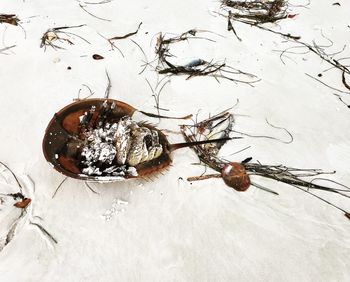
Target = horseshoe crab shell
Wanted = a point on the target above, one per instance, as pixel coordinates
(64, 137)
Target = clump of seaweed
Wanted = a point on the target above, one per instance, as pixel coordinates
(59, 34)
(256, 11)
(237, 174)
(331, 58)
(16, 206)
(120, 37)
(11, 19)
(301, 47)
(197, 67)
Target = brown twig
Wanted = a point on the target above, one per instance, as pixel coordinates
(126, 35)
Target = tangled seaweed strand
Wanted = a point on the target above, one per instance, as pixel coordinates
(222, 124)
(54, 34)
(9, 19)
(197, 67)
(303, 48)
(257, 12)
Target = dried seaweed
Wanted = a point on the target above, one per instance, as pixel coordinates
(9, 19)
(256, 11)
(197, 67)
(22, 203)
(54, 34)
(222, 125)
(305, 48)
(120, 37)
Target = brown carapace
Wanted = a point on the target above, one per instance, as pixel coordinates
(66, 135)
(235, 176)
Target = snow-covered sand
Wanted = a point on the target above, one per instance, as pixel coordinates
(169, 229)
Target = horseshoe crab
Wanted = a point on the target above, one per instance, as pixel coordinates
(97, 140)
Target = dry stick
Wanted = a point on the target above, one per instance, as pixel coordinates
(102, 19)
(204, 177)
(124, 37)
(112, 45)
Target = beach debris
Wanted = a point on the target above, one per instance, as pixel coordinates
(11, 19)
(198, 66)
(15, 207)
(110, 40)
(121, 37)
(238, 174)
(59, 34)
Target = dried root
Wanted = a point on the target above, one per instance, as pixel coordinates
(9, 19)
(256, 11)
(301, 47)
(56, 34)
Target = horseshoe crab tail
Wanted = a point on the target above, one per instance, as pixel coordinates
(176, 146)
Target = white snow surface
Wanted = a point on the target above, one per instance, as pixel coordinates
(167, 229)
